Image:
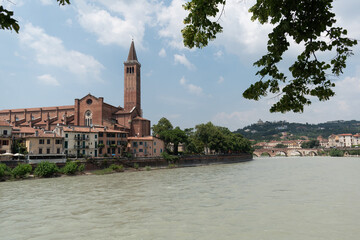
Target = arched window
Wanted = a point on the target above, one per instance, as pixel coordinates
(88, 118)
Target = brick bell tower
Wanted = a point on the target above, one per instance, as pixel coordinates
(132, 89)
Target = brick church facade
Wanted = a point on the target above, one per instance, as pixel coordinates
(91, 111)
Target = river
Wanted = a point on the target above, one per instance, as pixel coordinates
(269, 198)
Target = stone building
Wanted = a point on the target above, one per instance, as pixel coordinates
(44, 142)
(5, 137)
(146, 146)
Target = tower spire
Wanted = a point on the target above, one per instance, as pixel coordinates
(132, 53)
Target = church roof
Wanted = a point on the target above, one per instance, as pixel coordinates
(132, 53)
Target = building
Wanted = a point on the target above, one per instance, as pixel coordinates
(44, 142)
(90, 110)
(79, 141)
(5, 137)
(111, 142)
(146, 146)
(344, 140)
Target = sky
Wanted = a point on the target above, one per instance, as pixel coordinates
(65, 52)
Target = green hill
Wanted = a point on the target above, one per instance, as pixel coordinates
(274, 130)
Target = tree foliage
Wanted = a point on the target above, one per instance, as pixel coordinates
(310, 144)
(307, 22)
(8, 22)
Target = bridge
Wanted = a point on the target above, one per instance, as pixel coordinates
(286, 152)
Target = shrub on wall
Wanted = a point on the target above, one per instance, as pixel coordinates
(46, 169)
(5, 172)
(70, 168)
(336, 153)
(21, 170)
(117, 168)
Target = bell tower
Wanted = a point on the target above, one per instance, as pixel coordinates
(132, 89)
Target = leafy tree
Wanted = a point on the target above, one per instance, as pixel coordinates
(19, 147)
(165, 131)
(9, 23)
(162, 129)
(280, 145)
(21, 170)
(336, 153)
(306, 22)
(5, 172)
(310, 144)
(46, 169)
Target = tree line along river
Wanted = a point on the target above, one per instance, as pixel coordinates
(267, 198)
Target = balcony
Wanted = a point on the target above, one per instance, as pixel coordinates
(82, 138)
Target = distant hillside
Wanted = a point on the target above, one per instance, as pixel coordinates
(275, 130)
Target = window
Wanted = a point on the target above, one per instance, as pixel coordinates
(48, 151)
(95, 144)
(48, 141)
(58, 141)
(140, 150)
(41, 141)
(119, 150)
(141, 143)
(58, 151)
(66, 135)
(40, 150)
(134, 150)
(5, 142)
(113, 150)
(145, 144)
(100, 150)
(160, 150)
(118, 142)
(134, 144)
(101, 142)
(101, 134)
(95, 136)
(88, 118)
(66, 144)
(83, 152)
(154, 150)
(108, 150)
(154, 143)
(5, 132)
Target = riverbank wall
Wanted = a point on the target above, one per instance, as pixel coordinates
(158, 162)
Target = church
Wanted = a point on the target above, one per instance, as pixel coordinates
(92, 111)
(112, 129)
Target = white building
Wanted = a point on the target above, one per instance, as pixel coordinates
(79, 141)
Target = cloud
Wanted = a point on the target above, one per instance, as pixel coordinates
(162, 53)
(221, 79)
(50, 51)
(47, 2)
(184, 61)
(170, 19)
(218, 54)
(47, 79)
(191, 88)
(117, 22)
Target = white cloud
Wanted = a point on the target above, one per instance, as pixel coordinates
(117, 22)
(184, 61)
(219, 54)
(69, 22)
(50, 51)
(191, 88)
(171, 20)
(47, 2)
(47, 79)
(162, 53)
(221, 79)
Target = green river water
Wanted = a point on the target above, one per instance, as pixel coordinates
(294, 198)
